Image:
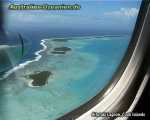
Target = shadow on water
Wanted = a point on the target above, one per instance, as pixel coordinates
(6, 64)
(4, 59)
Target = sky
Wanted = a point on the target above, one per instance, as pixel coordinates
(95, 15)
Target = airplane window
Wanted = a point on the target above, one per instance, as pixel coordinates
(57, 55)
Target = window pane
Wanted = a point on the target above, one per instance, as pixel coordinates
(69, 55)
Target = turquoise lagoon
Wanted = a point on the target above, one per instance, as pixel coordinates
(77, 76)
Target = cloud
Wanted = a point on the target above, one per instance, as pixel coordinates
(123, 12)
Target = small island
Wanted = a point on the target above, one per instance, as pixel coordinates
(60, 40)
(61, 50)
(40, 78)
(58, 52)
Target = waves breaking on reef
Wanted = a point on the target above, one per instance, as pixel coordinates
(22, 65)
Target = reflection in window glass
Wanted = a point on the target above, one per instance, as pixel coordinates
(69, 55)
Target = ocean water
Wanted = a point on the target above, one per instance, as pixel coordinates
(10, 56)
(77, 76)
